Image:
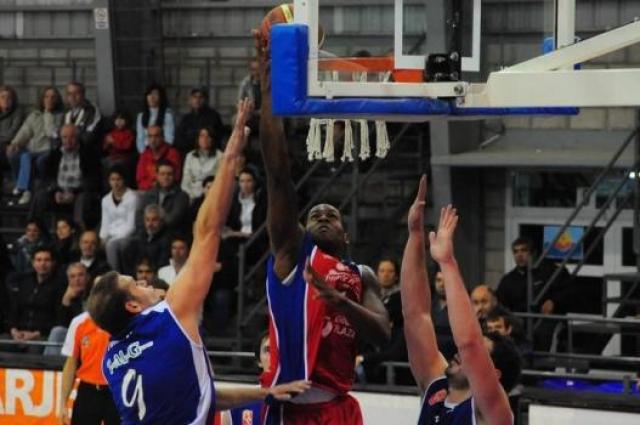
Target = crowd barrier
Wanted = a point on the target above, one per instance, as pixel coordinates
(31, 387)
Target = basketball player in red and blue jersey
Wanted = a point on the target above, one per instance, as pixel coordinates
(314, 327)
(472, 388)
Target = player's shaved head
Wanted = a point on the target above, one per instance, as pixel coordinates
(324, 223)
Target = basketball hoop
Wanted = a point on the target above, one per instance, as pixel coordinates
(367, 69)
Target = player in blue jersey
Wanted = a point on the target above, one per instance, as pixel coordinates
(472, 388)
(156, 365)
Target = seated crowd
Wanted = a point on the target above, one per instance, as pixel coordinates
(107, 194)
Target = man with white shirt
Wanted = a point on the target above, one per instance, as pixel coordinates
(179, 255)
(118, 215)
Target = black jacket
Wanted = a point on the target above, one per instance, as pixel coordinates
(175, 205)
(33, 304)
(512, 289)
(155, 248)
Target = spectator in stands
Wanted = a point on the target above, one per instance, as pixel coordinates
(155, 112)
(145, 271)
(179, 254)
(35, 236)
(440, 317)
(64, 242)
(200, 116)
(166, 193)
(75, 294)
(90, 255)
(118, 144)
(156, 151)
(250, 89)
(150, 241)
(70, 306)
(201, 162)
(82, 114)
(11, 116)
(388, 274)
(33, 298)
(73, 176)
(484, 300)
(118, 215)
(248, 212)
(500, 320)
(197, 202)
(85, 346)
(512, 289)
(34, 141)
(248, 207)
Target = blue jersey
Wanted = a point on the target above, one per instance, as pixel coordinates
(436, 411)
(246, 415)
(157, 375)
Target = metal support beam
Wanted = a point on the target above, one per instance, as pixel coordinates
(584, 51)
(584, 88)
(439, 129)
(104, 57)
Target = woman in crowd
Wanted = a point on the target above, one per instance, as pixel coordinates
(156, 111)
(388, 273)
(118, 214)
(65, 239)
(34, 141)
(201, 163)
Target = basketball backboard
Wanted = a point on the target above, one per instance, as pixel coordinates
(395, 84)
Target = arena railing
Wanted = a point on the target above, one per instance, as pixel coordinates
(613, 196)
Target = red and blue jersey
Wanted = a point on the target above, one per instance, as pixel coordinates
(310, 339)
(436, 410)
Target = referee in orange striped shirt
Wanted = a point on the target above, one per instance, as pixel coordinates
(84, 347)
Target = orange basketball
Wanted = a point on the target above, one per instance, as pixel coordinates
(282, 14)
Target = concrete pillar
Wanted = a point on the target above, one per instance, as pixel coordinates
(104, 57)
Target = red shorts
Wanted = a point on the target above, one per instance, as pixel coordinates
(342, 410)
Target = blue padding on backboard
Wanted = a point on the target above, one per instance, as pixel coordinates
(289, 55)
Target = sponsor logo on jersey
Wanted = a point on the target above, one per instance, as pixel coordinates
(438, 397)
(122, 357)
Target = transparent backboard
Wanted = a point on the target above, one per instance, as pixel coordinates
(509, 51)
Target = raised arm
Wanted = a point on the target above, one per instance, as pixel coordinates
(475, 360)
(285, 232)
(427, 363)
(188, 292)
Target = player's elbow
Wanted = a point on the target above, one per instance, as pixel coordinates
(469, 347)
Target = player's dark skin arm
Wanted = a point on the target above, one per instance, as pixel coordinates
(285, 232)
(370, 319)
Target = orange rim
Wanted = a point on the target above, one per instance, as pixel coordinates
(372, 64)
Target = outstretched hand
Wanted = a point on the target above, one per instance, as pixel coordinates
(243, 113)
(286, 392)
(325, 292)
(238, 139)
(442, 241)
(416, 212)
